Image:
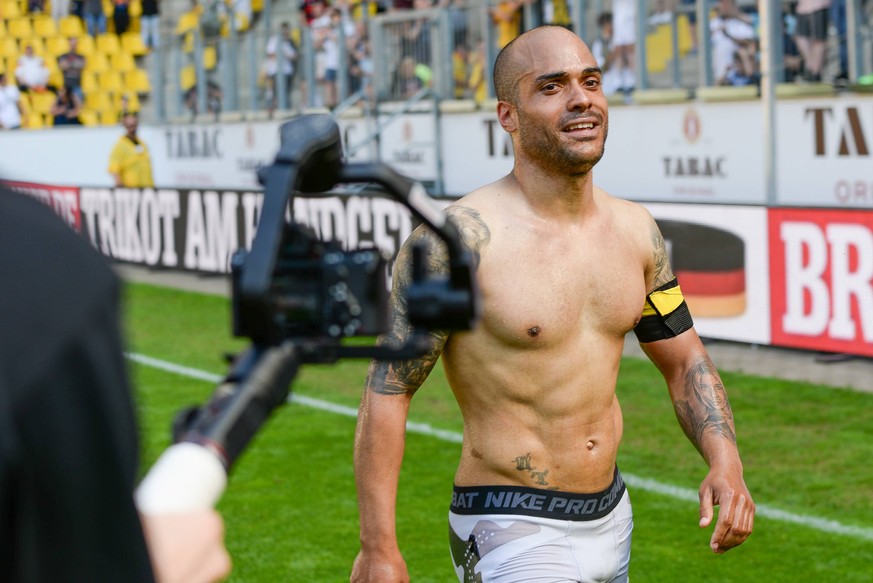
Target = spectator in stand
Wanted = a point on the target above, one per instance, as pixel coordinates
(506, 16)
(31, 72)
(734, 45)
(457, 20)
(121, 16)
(281, 56)
(407, 81)
(149, 23)
(60, 9)
(326, 38)
(604, 53)
(10, 104)
(310, 10)
(691, 14)
(129, 162)
(624, 39)
(416, 35)
(66, 108)
(71, 65)
(360, 59)
(35, 6)
(95, 19)
(478, 82)
(812, 36)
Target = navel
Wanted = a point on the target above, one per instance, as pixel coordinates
(590, 445)
(533, 331)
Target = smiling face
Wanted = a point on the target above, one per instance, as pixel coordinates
(551, 101)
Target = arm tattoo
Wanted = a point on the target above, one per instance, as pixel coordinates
(663, 273)
(474, 232)
(406, 376)
(707, 408)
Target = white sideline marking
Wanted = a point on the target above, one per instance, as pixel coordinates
(685, 494)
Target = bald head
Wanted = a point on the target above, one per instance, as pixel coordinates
(516, 57)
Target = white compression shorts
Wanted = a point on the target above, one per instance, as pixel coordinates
(540, 536)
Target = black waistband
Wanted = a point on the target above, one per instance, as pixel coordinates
(537, 502)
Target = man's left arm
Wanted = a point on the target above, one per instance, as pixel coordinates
(704, 413)
(667, 335)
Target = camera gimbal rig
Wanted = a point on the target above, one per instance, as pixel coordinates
(296, 298)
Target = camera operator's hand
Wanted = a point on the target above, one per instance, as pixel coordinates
(187, 547)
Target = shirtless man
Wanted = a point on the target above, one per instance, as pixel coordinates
(565, 272)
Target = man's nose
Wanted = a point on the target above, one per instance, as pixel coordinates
(579, 97)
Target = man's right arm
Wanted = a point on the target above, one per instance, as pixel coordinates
(381, 430)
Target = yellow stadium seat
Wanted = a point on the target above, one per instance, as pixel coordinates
(88, 117)
(10, 9)
(127, 102)
(188, 21)
(71, 26)
(19, 28)
(56, 78)
(109, 117)
(44, 27)
(188, 43)
(137, 81)
(41, 102)
(8, 47)
(121, 62)
(97, 62)
(257, 6)
(135, 10)
(132, 44)
(89, 82)
(56, 46)
(187, 77)
(86, 46)
(110, 81)
(3, 32)
(33, 120)
(108, 43)
(98, 101)
(210, 58)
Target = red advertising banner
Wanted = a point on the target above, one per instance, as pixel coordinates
(64, 200)
(821, 279)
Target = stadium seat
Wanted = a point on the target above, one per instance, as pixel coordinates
(8, 47)
(121, 61)
(89, 82)
(188, 21)
(109, 117)
(132, 43)
(19, 28)
(88, 117)
(98, 101)
(96, 62)
(33, 120)
(42, 101)
(187, 77)
(137, 81)
(110, 82)
(108, 43)
(56, 46)
(3, 32)
(127, 102)
(44, 27)
(86, 45)
(135, 10)
(71, 26)
(56, 78)
(10, 9)
(210, 58)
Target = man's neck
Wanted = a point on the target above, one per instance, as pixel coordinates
(554, 195)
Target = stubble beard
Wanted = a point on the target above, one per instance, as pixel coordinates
(547, 151)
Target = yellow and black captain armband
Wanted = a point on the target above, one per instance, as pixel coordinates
(665, 314)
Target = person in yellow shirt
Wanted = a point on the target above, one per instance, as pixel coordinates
(129, 163)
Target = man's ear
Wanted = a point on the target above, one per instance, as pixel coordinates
(506, 116)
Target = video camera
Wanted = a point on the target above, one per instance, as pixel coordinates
(297, 298)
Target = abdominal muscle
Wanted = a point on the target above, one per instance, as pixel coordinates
(538, 418)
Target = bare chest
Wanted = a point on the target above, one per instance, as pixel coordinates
(544, 293)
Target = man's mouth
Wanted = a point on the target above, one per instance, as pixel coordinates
(582, 125)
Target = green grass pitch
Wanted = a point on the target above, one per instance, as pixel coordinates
(290, 507)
